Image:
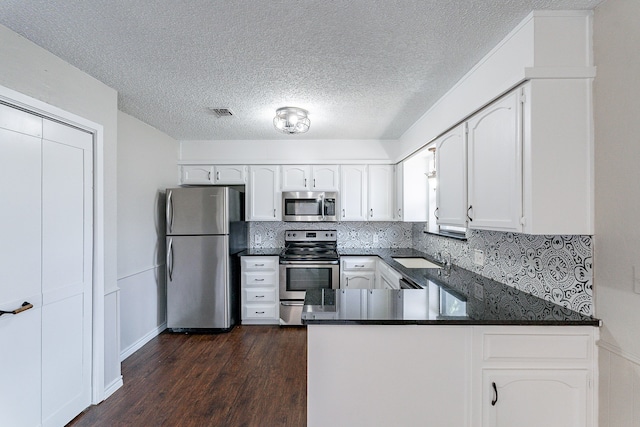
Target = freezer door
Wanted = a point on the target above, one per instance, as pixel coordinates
(197, 210)
(199, 292)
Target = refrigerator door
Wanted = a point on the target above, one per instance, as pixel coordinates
(199, 291)
(197, 210)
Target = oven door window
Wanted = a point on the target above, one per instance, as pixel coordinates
(302, 279)
(302, 207)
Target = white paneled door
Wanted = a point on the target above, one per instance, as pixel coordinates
(46, 260)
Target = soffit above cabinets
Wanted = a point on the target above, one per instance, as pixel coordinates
(364, 69)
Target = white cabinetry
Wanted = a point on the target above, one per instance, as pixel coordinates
(380, 194)
(495, 166)
(451, 193)
(353, 192)
(197, 174)
(210, 174)
(412, 188)
(263, 196)
(387, 277)
(310, 178)
(357, 272)
(535, 376)
(259, 285)
(530, 168)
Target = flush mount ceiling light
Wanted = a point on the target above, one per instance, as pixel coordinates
(291, 120)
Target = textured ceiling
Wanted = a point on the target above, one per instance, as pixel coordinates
(365, 69)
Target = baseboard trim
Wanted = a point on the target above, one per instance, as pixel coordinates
(113, 387)
(142, 341)
(619, 352)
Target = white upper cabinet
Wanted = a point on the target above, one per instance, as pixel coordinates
(197, 174)
(210, 174)
(296, 177)
(412, 188)
(495, 166)
(325, 178)
(381, 199)
(231, 174)
(353, 192)
(263, 196)
(451, 193)
(310, 178)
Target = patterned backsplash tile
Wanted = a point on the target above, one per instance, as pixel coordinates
(350, 234)
(555, 268)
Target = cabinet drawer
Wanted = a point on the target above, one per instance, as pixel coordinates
(254, 263)
(354, 263)
(259, 279)
(259, 311)
(260, 295)
(535, 347)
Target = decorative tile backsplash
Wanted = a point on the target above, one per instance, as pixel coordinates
(555, 268)
(350, 234)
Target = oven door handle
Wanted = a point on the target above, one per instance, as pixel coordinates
(291, 303)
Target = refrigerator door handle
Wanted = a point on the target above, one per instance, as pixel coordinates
(170, 260)
(169, 211)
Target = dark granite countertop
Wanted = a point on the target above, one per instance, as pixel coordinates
(261, 252)
(448, 296)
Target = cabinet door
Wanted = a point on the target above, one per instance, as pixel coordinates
(263, 194)
(353, 196)
(399, 171)
(325, 178)
(380, 193)
(359, 280)
(451, 160)
(197, 174)
(495, 166)
(230, 174)
(296, 177)
(412, 188)
(535, 397)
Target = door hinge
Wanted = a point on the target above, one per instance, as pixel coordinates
(523, 97)
(466, 128)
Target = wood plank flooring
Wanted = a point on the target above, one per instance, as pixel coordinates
(251, 376)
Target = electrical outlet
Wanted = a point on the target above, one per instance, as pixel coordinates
(258, 239)
(375, 238)
(478, 257)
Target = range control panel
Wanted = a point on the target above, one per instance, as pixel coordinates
(311, 236)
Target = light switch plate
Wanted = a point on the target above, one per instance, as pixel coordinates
(478, 257)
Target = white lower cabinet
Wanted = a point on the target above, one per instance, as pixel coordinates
(259, 287)
(387, 277)
(444, 375)
(358, 272)
(535, 397)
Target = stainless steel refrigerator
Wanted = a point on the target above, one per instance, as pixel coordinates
(205, 233)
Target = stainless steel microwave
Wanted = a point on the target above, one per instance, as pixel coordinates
(309, 206)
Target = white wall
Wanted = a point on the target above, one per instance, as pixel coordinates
(31, 70)
(146, 166)
(617, 205)
(290, 151)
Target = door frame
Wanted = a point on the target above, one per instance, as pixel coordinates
(97, 337)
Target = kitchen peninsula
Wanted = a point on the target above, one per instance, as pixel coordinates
(462, 350)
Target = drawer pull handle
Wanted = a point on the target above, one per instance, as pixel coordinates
(258, 265)
(258, 280)
(259, 312)
(24, 307)
(359, 265)
(495, 393)
(259, 296)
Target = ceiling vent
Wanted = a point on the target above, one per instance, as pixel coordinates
(221, 112)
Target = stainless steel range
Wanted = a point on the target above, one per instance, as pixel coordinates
(308, 261)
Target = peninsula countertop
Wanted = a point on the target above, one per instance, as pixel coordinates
(447, 296)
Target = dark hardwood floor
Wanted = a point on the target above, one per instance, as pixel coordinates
(251, 376)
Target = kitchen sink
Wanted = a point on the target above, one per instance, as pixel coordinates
(416, 263)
